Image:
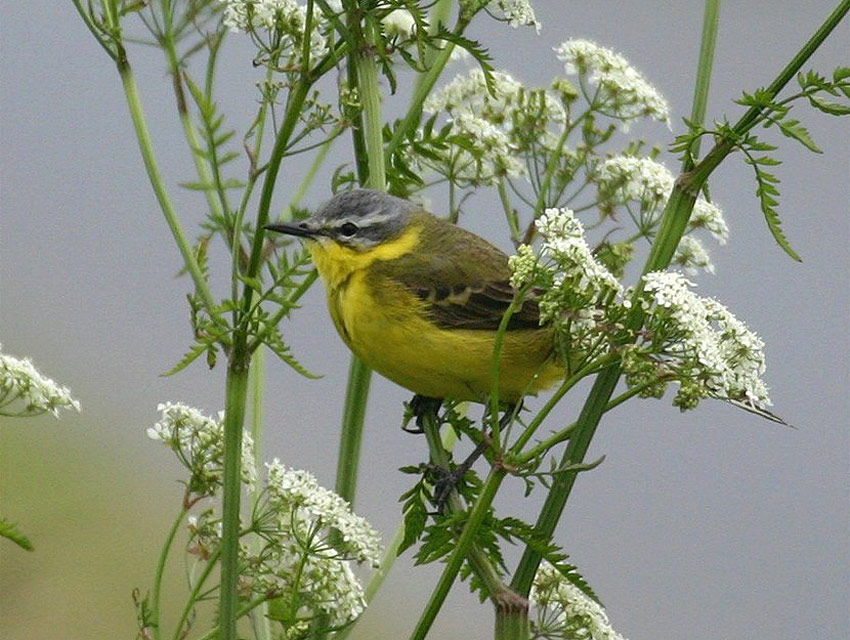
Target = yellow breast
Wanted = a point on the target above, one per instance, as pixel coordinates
(387, 327)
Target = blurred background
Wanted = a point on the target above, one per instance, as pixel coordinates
(705, 525)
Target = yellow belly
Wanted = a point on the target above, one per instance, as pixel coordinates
(386, 327)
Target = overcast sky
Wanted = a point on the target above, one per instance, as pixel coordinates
(706, 525)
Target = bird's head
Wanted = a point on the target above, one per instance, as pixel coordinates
(360, 220)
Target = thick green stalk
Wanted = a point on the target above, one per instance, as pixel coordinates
(234, 418)
(512, 623)
(134, 104)
(256, 374)
(353, 417)
(359, 375)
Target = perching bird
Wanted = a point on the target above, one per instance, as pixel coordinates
(420, 299)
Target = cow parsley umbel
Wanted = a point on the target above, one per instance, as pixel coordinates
(24, 392)
(700, 344)
(563, 612)
(198, 441)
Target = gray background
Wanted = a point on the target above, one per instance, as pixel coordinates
(712, 524)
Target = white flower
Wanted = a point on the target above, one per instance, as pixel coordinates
(26, 392)
(564, 240)
(287, 18)
(518, 13)
(707, 215)
(716, 353)
(564, 612)
(622, 91)
(399, 22)
(571, 287)
(635, 179)
(291, 489)
(198, 441)
(692, 256)
(468, 93)
(306, 538)
(625, 179)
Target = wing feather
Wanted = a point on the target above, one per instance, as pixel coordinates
(463, 280)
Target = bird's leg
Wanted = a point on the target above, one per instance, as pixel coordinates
(421, 406)
(451, 478)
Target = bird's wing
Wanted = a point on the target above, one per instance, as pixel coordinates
(463, 280)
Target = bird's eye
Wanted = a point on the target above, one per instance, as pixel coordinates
(348, 229)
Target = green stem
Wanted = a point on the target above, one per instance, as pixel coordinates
(293, 112)
(256, 373)
(462, 549)
(564, 434)
(218, 631)
(424, 84)
(371, 141)
(704, 68)
(512, 622)
(192, 600)
(439, 18)
(134, 104)
(353, 417)
(234, 418)
(160, 570)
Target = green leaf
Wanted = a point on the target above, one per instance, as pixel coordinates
(765, 192)
(828, 106)
(188, 358)
(793, 129)
(415, 517)
(11, 532)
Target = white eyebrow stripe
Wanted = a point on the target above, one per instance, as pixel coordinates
(375, 217)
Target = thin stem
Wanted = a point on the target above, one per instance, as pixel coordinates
(704, 68)
(196, 590)
(134, 104)
(160, 570)
(218, 631)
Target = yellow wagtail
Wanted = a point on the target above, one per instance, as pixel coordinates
(419, 299)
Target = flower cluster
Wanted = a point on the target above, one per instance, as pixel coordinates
(198, 441)
(25, 392)
(700, 344)
(572, 287)
(564, 612)
(518, 13)
(621, 91)
(498, 123)
(306, 540)
(278, 26)
(642, 185)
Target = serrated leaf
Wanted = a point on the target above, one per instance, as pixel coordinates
(828, 106)
(415, 518)
(188, 358)
(10, 531)
(765, 191)
(793, 129)
(840, 73)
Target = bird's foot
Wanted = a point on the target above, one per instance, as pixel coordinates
(420, 407)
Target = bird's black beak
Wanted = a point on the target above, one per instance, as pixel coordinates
(300, 230)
